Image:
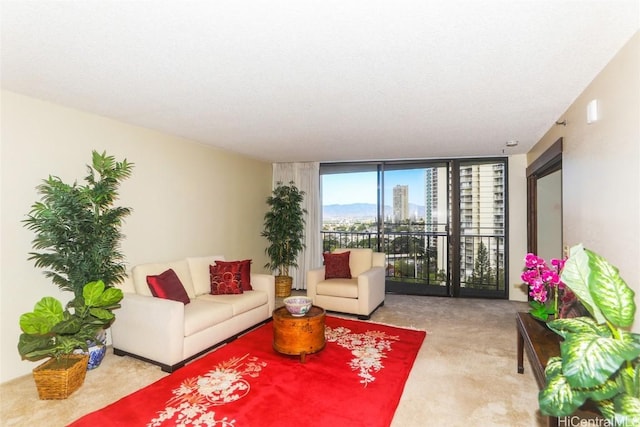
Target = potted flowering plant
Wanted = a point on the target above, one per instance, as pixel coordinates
(545, 286)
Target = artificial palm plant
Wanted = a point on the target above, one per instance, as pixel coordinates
(284, 229)
(599, 358)
(78, 227)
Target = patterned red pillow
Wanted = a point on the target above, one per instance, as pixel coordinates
(224, 282)
(336, 266)
(243, 267)
(168, 286)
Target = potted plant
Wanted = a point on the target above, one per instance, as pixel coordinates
(599, 355)
(545, 286)
(77, 228)
(284, 229)
(58, 333)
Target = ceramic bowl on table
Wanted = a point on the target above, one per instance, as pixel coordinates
(297, 306)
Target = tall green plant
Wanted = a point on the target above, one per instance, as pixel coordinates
(77, 227)
(599, 355)
(284, 227)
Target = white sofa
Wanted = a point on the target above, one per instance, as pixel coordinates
(360, 295)
(170, 333)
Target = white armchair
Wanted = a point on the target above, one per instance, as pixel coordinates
(360, 295)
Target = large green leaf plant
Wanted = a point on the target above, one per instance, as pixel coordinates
(51, 331)
(599, 355)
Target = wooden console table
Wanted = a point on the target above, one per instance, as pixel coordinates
(540, 343)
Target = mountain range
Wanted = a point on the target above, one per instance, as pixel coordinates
(363, 211)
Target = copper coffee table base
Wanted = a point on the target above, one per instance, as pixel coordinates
(298, 336)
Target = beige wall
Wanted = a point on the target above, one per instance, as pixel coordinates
(601, 166)
(187, 199)
(517, 225)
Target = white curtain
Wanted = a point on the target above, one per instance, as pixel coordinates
(306, 176)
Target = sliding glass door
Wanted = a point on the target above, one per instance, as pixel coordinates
(480, 232)
(415, 228)
(441, 224)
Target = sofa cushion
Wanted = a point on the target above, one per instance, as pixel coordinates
(199, 269)
(141, 271)
(167, 285)
(200, 315)
(240, 303)
(336, 266)
(243, 267)
(127, 285)
(344, 288)
(360, 260)
(224, 282)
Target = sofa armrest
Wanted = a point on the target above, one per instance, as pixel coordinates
(150, 327)
(314, 277)
(266, 283)
(371, 287)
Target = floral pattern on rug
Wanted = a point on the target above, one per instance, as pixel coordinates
(368, 349)
(191, 402)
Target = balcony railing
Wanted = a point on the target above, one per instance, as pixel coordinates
(416, 257)
(422, 257)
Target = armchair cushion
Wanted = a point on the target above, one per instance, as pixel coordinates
(343, 288)
(336, 265)
(167, 285)
(360, 259)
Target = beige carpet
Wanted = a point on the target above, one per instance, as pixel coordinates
(465, 373)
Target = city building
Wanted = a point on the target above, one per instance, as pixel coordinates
(481, 215)
(400, 203)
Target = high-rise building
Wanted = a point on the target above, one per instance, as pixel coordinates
(400, 203)
(481, 213)
(430, 198)
(435, 214)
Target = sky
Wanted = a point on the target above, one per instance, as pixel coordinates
(344, 189)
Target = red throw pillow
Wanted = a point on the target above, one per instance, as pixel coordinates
(243, 267)
(224, 282)
(168, 286)
(336, 266)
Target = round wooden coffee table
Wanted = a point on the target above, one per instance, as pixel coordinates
(298, 336)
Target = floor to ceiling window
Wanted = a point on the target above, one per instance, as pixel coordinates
(441, 224)
(481, 217)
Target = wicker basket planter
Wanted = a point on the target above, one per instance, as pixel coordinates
(283, 286)
(58, 378)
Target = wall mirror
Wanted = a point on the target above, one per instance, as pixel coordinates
(544, 204)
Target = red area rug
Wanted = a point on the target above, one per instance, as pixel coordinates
(356, 380)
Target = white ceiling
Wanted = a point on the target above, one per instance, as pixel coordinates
(326, 80)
